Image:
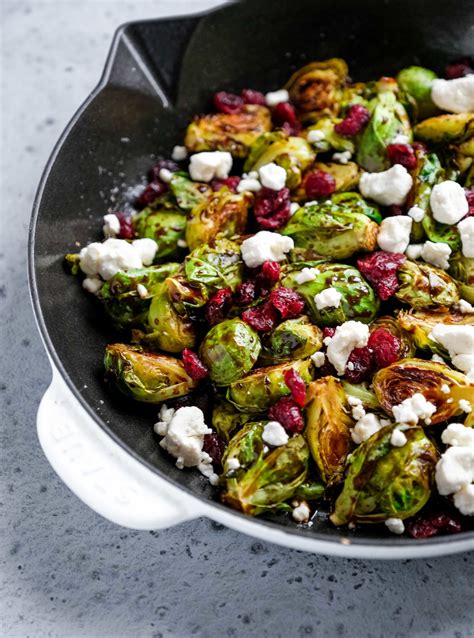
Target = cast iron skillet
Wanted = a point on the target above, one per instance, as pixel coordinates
(158, 75)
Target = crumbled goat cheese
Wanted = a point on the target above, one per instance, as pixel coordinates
(458, 434)
(205, 166)
(315, 136)
(413, 409)
(394, 233)
(305, 275)
(455, 469)
(179, 153)
(274, 434)
(92, 284)
(293, 208)
(272, 176)
(416, 213)
(318, 359)
(465, 406)
(328, 298)
(364, 428)
(111, 227)
(414, 251)
(464, 500)
(358, 410)
(265, 246)
(437, 358)
(165, 415)
(387, 187)
(448, 202)
(142, 291)
(233, 464)
(436, 253)
(400, 139)
(454, 96)
(206, 468)
(445, 388)
(466, 231)
(107, 258)
(181, 243)
(275, 97)
(350, 366)
(458, 341)
(465, 307)
(165, 175)
(249, 184)
(398, 438)
(146, 248)
(342, 158)
(395, 525)
(349, 335)
(184, 437)
(301, 513)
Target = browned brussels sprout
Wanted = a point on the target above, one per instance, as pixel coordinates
(187, 192)
(462, 269)
(215, 265)
(397, 328)
(226, 419)
(292, 339)
(420, 323)
(425, 286)
(317, 87)
(444, 129)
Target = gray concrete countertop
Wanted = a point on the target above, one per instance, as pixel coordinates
(64, 570)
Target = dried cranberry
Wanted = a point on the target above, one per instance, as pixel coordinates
(228, 102)
(218, 306)
(328, 332)
(154, 172)
(287, 301)
(193, 365)
(419, 146)
(296, 385)
(126, 226)
(356, 119)
(230, 182)
(359, 365)
(284, 116)
(152, 191)
(245, 293)
(272, 208)
(291, 129)
(470, 201)
(402, 154)
(250, 96)
(380, 269)
(288, 413)
(426, 526)
(271, 271)
(214, 446)
(393, 210)
(319, 184)
(262, 319)
(459, 68)
(384, 347)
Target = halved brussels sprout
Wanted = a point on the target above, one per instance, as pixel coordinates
(328, 427)
(229, 350)
(317, 87)
(354, 202)
(188, 193)
(397, 328)
(462, 269)
(361, 391)
(187, 297)
(292, 339)
(415, 82)
(420, 323)
(331, 139)
(444, 129)
(226, 419)
(403, 379)
(216, 265)
(262, 387)
(165, 224)
(246, 446)
(425, 286)
(146, 376)
(384, 481)
(225, 213)
(234, 132)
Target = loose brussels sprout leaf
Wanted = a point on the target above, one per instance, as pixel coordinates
(263, 387)
(424, 286)
(331, 139)
(415, 82)
(234, 132)
(318, 87)
(396, 327)
(226, 420)
(187, 297)
(329, 230)
(444, 129)
(310, 491)
(270, 480)
(362, 392)
(146, 376)
(229, 350)
(246, 446)
(354, 202)
(358, 300)
(403, 379)
(225, 213)
(216, 265)
(189, 194)
(384, 481)
(328, 427)
(165, 225)
(420, 323)
(462, 269)
(292, 339)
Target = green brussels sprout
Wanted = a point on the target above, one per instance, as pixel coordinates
(187, 297)
(146, 376)
(216, 265)
(225, 213)
(331, 140)
(425, 286)
(328, 427)
(165, 225)
(226, 419)
(402, 379)
(246, 446)
(329, 230)
(294, 154)
(384, 481)
(270, 479)
(188, 193)
(415, 82)
(445, 129)
(420, 323)
(122, 303)
(259, 389)
(462, 269)
(310, 491)
(362, 392)
(234, 132)
(229, 350)
(358, 300)
(356, 203)
(396, 327)
(292, 339)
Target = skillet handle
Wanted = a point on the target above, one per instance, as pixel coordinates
(103, 475)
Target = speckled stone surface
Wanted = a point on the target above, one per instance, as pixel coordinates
(67, 572)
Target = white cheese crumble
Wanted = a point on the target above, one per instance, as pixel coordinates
(181, 243)
(394, 233)
(328, 298)
(275, 97)
(275, 434)
(184, 436)
(92, 284)
(318, 359)
(387, 187)
(342, 158)
(315, 136)
(436, 253)
(466, 231)
(400, 139)
(445, 388)
(294, 206)
(233, 464)
(179, 153)
(454, 96)
(146, 248)
(108, 258)
(458, 341)
(142, 291)
(395, 525)
(455, 469)
(272, 176)
(301, 513)
(305, 275)
(165, 175)
(414, 251)
(111, 227)
(437, 358)
(414, 409)
(448, 202)
(465, 307)
(365, 427)
(249, 184)
(416, 213)
(398, 438)
(349, 335)
(465, 406)
(265, 246)
(205, 166)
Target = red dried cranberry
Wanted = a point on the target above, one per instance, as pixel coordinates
(152, 191)
(288, 413)
(272, 208)
(291, 129)
(193, 365)
(384, 347)
(230, 182)
(271, 271)
(218, 306)
(296, 385)
(245, 293)
(262, 319)
(287, 301)
(470, 201)
(459, 68)
(214, 446)
(393, 210)
(359, 365)
(402, 154)
(284, 116)
(154, 172)
(319, 184)
(250, 96)
(419, 146)
(433, 524)
(326, 370)
(356, 119)
(328, 332)
(228, 102)
(380, 269)
(126, 226)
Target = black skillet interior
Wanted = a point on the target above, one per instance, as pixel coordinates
(160, 73)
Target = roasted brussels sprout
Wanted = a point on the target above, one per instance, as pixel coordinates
(226, 419)
(425, 286)
(146, 376)
(166, 225)
(234, 132)
(403, 379)
(328, 427)
(262, 387)
(187, 297)
(384, 481)
(225, 213)
(445, 129)
(331, 140)
(398, 329)
(420, 323)
(362, 392)
(216, 265)
(246, 446)
(188, 193)
(229, 350)
(462, 269)
(310, 491)
(354, 202)
(292, 339)
(415, 82)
